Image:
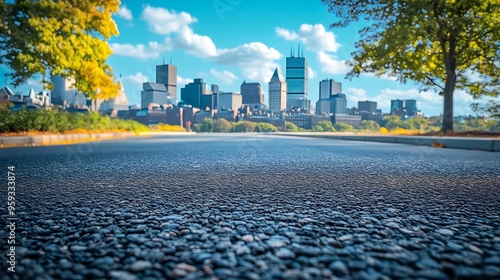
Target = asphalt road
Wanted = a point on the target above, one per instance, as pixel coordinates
(251, 207)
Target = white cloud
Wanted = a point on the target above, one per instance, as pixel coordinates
(136, 79)
(314, 37)
(311, 73)
(289, 36)
(152, 50)
(34, 83)
(256, 60)
(125, 13)
(224, 76)
(163, 21)
(329, 64)
(181, 82)
(194, 44)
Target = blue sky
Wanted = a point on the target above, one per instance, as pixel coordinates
(226, 42)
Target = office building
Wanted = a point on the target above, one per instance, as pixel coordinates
(327, 88)
(411, 107)
(251, 93)
(397, 105)
(405, 108)
(367, 107)
(354, 120)
(155, 93)
(197, 95)
(118, 103)
(277, 92)
(297, 81)
(323, 106)
(338, 104)
(167, 74)
(229, 100)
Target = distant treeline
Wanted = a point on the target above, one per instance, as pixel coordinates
(58, 121)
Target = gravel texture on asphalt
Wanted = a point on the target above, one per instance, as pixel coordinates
(253, 207)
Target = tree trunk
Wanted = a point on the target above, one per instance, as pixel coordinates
(448, 105)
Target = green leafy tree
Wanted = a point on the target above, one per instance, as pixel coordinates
(343, 127)
(415, 123)
(327, 126)
(369, 125)
(196, 127)
(291, 127)
(244, 126)
(442, 45)
(222, 125)
(207, 125)
(494, 125)
(318, 128)
(265, 127)
(391, 122)
(66, 37)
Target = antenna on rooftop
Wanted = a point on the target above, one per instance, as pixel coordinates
(170, 60)
(298, 51)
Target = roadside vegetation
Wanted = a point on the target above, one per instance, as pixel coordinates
(56, 121)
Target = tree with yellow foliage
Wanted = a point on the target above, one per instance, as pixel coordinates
(443, 45)
(64, 37)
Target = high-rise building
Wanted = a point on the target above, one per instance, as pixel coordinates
(367, 107)
(297, 81)
(167, 74)
(338, 104)
(323, 106)
(277, 92)
(397, 105)
(411, 107)
(252, 93)
(155, 93)
(197, 95)
(327, 88)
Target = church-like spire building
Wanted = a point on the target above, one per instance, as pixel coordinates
(277, 92)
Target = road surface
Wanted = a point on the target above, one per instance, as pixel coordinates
(251, 207)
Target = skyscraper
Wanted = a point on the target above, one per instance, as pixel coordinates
(197, 95)
(167, 74)
(397, 105)
(155, 93)
(367, 106)
(277, 92)
(327, 88)
(338, 104)
(297, 81)
(252, 93)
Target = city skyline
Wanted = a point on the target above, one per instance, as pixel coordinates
(225, 44)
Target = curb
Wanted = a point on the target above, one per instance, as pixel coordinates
(58, 139)
(464, 143)
(63, 139)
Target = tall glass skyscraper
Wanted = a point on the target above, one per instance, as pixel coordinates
(296, 80)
